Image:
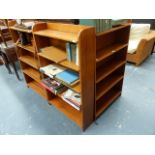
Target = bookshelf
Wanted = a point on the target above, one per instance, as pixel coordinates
(28, 59)
(102, 59)
(51, 39)
(111, 50)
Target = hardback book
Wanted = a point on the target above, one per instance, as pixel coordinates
(68, 76)
(52, 69)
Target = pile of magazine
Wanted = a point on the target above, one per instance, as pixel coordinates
(53, 85)
(72, 98)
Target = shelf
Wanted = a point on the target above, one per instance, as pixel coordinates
(20, 29)
(66, 36)
(70, 65)
(106, 85)
(68, 110)
(29, 48)
(37, 88)
(108, 69)
(28, 60)
(113, 95)
(76, 88)
(34, 74)
(106, 52)
(54, 54)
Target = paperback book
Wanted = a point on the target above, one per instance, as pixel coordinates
(51, 70)
(53, 85)
(72, 98)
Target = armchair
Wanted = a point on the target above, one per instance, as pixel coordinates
(141, 43)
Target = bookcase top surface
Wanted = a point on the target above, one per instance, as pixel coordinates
(66, 32)
(20, 29)
(114, 29)
(67, 36)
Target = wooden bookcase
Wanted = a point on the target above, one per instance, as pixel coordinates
(111, 50)
(102, 59)
(57, 35)
(28, 59)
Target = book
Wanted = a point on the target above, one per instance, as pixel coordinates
(51, 70)
(72, 53)
(68, 76)
(53, 85)
(72, 98)
(69, 53)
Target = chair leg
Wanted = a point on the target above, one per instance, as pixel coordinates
(6, 62)
(15, 69)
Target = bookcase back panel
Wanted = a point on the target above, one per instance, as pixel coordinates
(41, 42)
(58, 43)
(122, 35)
(103, 41)
(44, 62)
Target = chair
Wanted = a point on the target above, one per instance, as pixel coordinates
(8, 50)
(141, 43)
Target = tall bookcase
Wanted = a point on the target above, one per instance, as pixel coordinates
(102, 59)
(111, 50)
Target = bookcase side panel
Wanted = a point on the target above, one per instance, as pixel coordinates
(87, 74)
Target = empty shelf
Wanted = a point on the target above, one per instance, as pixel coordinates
(108, 69)
(104, 53)
(29, 60)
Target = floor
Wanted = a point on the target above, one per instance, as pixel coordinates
(24, 112)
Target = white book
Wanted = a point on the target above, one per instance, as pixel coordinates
(52, 69)
(70, 103)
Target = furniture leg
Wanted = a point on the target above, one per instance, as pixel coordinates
(15, 69)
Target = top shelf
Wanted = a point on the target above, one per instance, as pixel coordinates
(67, 36)
(104, 53)
(20, 29)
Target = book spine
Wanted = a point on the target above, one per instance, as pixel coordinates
(77, 62)
(68, 50)
(46, 87)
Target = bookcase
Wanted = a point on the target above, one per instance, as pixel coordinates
(27, 56)
(102, 59)
(56, 35)
(111, 50)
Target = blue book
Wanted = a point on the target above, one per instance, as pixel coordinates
(69, 54)
(68, 76)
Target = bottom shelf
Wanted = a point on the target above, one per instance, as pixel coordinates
(38, 89)
(108, 98)
(68, 110)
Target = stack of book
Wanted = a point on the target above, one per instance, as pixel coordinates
(61, 74)
(53, 86)
(72, 53)
(72, 98)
